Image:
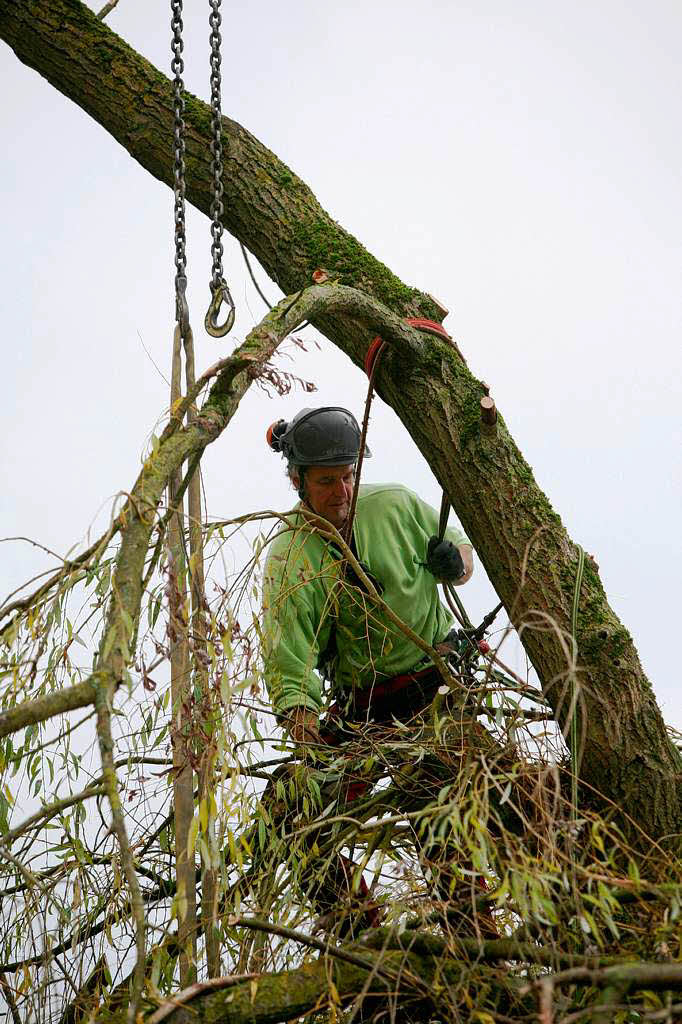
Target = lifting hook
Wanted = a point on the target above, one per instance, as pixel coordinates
(219, 293)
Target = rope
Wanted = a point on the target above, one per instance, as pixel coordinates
(573, 737)
(253, 276)
(376, 355)
(444, 513)
(376, 348)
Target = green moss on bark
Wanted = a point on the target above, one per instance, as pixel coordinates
(325, 244)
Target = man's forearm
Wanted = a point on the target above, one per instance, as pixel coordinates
(467, 553)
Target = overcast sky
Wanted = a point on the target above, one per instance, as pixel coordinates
(520, 162)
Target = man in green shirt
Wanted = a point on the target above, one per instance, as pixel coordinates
(319, 616)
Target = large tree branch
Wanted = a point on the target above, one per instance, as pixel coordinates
(286, 995)
(421, 968)
(528, 555)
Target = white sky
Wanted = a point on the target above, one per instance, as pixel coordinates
(520, 162)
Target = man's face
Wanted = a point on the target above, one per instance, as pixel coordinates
(328, 491)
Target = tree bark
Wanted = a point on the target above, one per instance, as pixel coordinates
(288, 995)
(520, 540)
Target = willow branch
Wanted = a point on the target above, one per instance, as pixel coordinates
(69, 566)
(49, 811)
(110, 782)
(9, 999)
(269, 928)
(628, 975)
(31, 712)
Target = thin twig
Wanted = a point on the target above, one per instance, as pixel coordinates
(309, 940)
(106, 747)
(108, 7)
(9, 999)
(49, 811)
(69, 565)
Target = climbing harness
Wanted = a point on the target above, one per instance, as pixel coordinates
(220, 293)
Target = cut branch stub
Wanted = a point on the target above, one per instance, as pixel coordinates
(488, 417)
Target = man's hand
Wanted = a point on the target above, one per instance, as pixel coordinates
(303, 726)
(444, 561)
(448, 563)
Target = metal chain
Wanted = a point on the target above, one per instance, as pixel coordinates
(214, 20)
(219, 291)
(177, 67)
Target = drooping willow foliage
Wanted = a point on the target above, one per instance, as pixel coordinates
(427, 870)
(464, 861)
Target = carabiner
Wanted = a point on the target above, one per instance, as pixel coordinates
(219, 293)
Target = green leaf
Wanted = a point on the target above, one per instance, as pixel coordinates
(192, 837)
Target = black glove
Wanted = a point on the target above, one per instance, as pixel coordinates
(444, 561)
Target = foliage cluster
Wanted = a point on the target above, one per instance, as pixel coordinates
(464, 845)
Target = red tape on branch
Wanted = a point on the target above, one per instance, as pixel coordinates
(429, 326)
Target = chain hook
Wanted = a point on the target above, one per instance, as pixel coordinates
(219, 293)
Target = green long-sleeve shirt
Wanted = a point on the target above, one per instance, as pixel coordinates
(303, 598)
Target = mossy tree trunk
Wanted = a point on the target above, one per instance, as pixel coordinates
(520, 540)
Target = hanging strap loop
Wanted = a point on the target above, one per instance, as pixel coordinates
(428, 326)
(181, 305)
(220, 294)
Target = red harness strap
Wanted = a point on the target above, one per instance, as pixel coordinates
(372, 697)
(430, 326)
(375, 694)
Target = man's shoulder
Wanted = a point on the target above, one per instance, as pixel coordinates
(293, 548)
(386, 494)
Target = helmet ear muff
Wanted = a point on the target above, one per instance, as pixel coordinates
(274, 433)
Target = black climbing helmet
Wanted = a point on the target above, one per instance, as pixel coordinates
(329, 436)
